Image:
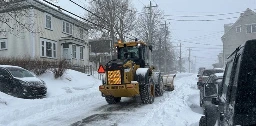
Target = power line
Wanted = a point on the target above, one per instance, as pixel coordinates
(87, 10)
(207, 20)
(98, 17)
(73, 13)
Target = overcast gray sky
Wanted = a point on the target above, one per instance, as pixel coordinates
(204, 37)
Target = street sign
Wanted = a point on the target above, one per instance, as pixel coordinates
(101, 69)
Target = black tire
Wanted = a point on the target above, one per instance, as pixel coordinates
(146, 88)
(112, 99)
(172, 88)
(168, 88)
(146, 94)
(18, 91)
(159, 90)
(202, 121)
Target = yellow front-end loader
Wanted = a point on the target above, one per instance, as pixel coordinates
(131, 74)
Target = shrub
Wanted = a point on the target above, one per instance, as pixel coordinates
(60, 68)
(37, 66)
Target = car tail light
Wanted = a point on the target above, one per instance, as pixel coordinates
(200, 79)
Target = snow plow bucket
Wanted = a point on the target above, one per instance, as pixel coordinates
(124, 90)
(168, 81)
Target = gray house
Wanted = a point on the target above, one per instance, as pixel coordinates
(32, 28)
(236, 34)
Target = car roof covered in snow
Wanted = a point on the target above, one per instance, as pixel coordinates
(5, 66)
(219, 75)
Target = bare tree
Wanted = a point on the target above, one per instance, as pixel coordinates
(116, 17)
(161, 38)
(15, 17)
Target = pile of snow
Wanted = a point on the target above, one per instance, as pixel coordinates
(74, 87)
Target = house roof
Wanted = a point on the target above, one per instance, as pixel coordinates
(23, 4)
(246, 12)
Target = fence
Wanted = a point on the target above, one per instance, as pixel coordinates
(87, 69)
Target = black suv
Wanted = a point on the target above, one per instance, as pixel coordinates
(236, 98)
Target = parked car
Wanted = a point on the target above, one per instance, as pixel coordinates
(21, 82)
(201, 69)
(203, 76)
(237, 93)
(210, 90)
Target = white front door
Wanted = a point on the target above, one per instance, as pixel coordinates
(65, 53)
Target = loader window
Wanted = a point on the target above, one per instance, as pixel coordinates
(132, 52)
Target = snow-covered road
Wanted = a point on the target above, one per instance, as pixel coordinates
(177, 108)
(83, 105)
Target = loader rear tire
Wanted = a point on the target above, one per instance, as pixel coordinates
(112, 99)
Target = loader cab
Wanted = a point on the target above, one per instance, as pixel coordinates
(138, 52)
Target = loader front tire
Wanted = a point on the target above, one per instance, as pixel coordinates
(159, 90)
(112, 99)
(147, 94)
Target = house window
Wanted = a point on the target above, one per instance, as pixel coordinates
(238, 29)
(3, 44)
(48, 48)
(67, 27)
(81, 52)
(74, 51)
(251, 28)
(54, 50)
(42, 47)
(48, 21)
(81, 33)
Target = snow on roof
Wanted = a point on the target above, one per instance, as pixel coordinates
(5, 66)
(219, 74)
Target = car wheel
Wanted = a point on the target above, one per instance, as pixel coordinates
(19, 91)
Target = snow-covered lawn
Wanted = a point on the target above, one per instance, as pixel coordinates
(75, 99)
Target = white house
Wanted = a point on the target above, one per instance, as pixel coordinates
(236, 34)
(32, 28)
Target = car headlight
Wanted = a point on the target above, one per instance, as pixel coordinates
(24, 83)
(43, 82)
(127, 70)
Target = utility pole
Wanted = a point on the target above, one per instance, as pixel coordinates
(189, 60)
(150, 28)
(150, 22)
(180, 58)
(165, 48)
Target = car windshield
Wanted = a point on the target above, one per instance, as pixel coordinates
(20, 73)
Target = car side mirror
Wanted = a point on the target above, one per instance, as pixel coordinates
(215, 101)
(150, 47)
